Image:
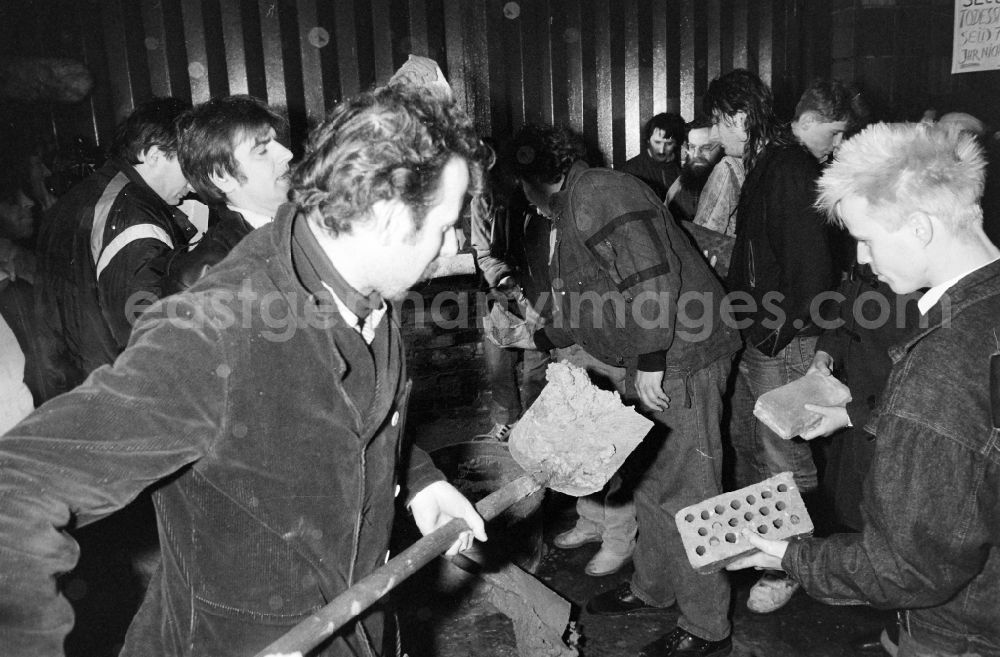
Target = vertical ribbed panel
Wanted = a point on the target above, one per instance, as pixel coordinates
(630, 9)
(313, 39)
(194, 38)
(155, 41)
(274, 68)
(602, 67)
(658, 31)
(687, 61)
(234, 45)
(603, 82)
(119, 66)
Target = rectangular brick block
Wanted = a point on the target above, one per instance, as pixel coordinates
(711, 530)
(783, 409)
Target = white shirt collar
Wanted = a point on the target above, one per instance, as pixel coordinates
(255, 219)
(367, 330)
(933, 295)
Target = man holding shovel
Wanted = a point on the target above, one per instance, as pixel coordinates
(264, 404)
(637, 303)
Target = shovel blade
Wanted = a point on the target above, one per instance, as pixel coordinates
(575, 435)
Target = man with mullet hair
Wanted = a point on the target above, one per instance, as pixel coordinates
(230, 153)
(275, 459)
(930, 545)
(783, 258)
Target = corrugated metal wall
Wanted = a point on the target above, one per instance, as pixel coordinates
(600, 66)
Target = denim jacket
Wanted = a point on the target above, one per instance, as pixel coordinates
(275, 490)
(931, 505)
(629, 281)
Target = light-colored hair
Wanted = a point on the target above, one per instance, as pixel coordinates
(899, 168)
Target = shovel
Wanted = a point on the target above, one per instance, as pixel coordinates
(572, 440)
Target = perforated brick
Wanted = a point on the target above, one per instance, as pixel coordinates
(712, 530)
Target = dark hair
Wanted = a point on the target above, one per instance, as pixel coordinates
(671, 124)
(740, 90)
(390, 143)
(543, 154)
(152, 123)
(210, 133)
(832, 100)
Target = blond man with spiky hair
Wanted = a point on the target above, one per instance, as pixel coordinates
(909, 194)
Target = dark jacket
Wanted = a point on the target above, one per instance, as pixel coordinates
(784, 254)
(621, 268)
(658, 175)
(931, 505)
(186, 266)
(871, 318)
(276, 486)
(100, 251)
(516, 244)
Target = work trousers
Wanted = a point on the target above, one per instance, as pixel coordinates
(609, 513)
(682, 466)
(511, 397)
(769, 453)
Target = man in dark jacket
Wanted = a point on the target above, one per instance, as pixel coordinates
(266, 403)
(230, 153)
(99, 246)
(784, 258)
(638, 304)
(871, 319)
(658, 163)
(512, 250)
(909, 194)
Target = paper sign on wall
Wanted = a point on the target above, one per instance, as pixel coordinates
(976, 42)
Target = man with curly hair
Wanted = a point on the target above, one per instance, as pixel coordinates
(909, 194)
(264, 405)
(637, 304)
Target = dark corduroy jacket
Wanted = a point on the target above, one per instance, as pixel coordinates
(276, 489)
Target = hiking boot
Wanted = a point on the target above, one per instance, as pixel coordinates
(574, 538)
(606, 562)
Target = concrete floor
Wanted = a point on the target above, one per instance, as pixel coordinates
(461, 624)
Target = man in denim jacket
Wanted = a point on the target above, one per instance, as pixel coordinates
(909, 194)
(264, 404)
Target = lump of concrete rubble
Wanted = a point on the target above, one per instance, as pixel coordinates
(575, 435)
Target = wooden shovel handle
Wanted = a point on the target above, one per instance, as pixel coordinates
(366, 592)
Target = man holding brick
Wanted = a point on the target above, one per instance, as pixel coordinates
(784, 259)
(909, 194)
